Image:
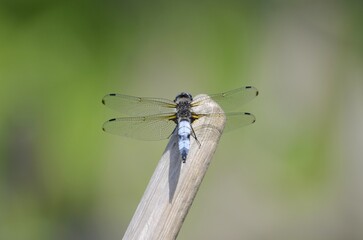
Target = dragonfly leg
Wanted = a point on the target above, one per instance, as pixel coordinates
(195, 136)
(176, 127)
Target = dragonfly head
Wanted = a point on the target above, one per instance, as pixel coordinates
(184, 96)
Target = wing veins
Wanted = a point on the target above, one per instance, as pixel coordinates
(138, 106)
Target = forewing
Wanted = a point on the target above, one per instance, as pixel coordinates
(150, 128)
(137, 106)
(230, 100)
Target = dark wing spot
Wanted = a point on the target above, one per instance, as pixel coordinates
(249, 87)
(104, 129)
(103, 101)
(254, 121)
(112, 94)
(246, 113)
(111, 120)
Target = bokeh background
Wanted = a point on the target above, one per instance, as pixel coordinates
(294, 174)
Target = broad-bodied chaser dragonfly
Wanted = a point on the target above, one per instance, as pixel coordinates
(157, 118)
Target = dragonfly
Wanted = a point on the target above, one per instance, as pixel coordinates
(148, 118)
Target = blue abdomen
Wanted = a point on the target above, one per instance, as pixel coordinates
(184, 130)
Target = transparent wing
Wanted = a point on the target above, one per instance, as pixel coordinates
(238, 119)
(155, 127)
(234, 119)
(230, 100)
(136, 106)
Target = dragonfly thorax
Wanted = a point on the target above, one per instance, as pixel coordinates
(184, 114)
(183, 105)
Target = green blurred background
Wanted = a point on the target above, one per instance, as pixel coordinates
(294, 174)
